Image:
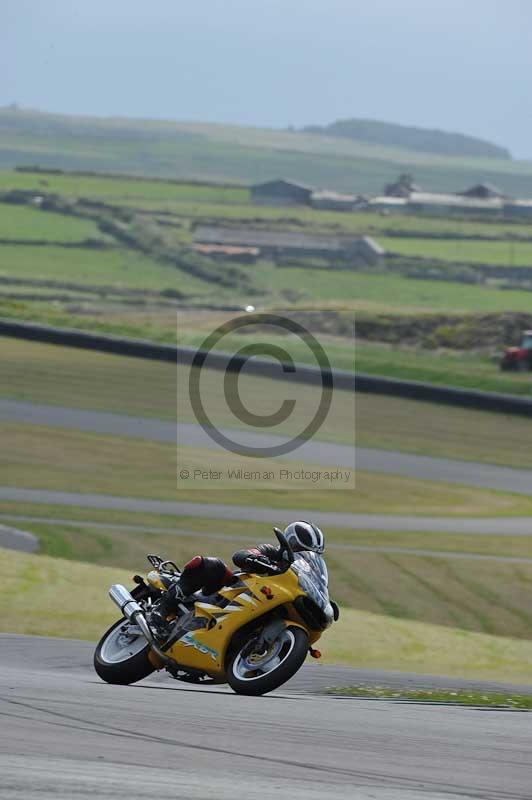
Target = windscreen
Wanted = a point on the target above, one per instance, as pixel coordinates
(313, 577)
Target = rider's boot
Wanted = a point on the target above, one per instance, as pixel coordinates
(167, 607)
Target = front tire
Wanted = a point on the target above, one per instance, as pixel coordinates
(255, 673)
(121, 657)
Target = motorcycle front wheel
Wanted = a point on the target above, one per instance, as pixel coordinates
(121, 656)
(253, 672)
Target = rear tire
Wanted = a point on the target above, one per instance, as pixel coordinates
(239, 675)
(119, 664)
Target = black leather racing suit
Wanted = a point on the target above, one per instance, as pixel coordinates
(210, 574)
(248, 559)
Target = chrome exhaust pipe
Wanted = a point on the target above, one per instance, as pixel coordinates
(124, 600)
(133, 611)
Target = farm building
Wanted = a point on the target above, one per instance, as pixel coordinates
(352, 250)
(435, 203)
(332, 201)
(387, 204)
(482, 191)
(438, 204)
(244, 255)
(281, 192)
(402, 187)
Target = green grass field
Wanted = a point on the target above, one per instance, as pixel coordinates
(189, 201)
(448, 368)
(385, 292)
(22, 222)
(459, 368)
(505, 254)
(361, 291)
(471, 371)
(150, 321)
(118, 267)
(123, 190)
(65, 376)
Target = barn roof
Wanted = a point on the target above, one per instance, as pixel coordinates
(455, 200)
(324, 194)
(482, 190)
(282, 182)
(388, 200)
(228, 250)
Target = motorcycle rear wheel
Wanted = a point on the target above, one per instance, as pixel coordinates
(122, 659)
(259, 673)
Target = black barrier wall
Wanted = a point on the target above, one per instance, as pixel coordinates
(346, 381)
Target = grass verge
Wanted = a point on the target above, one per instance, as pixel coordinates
(449, 368)
(459, 697)
(370, 641)
(23, 223)
(34, 592)
(117, 267)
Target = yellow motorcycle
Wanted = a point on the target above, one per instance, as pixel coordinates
(253, 634)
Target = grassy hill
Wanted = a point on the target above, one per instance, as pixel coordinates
(418, 139)
(246, 155)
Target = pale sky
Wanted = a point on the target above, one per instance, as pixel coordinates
(458, 65)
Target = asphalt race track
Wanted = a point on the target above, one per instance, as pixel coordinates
(15, 539)
(466, 473)
(510, 526)
(65, 734)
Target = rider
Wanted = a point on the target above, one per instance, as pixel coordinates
(212, 574)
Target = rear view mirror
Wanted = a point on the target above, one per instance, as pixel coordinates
(285, 547)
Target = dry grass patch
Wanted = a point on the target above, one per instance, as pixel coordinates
(429, 429)
(34, 592)
(371, 641)
(40, 457)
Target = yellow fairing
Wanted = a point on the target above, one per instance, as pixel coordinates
(205, 649)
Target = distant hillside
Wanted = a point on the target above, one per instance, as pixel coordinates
(236, 154)
(418, 139)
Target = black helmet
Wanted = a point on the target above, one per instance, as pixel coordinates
(304, 536)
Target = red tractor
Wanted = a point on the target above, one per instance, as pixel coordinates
(519, 358)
